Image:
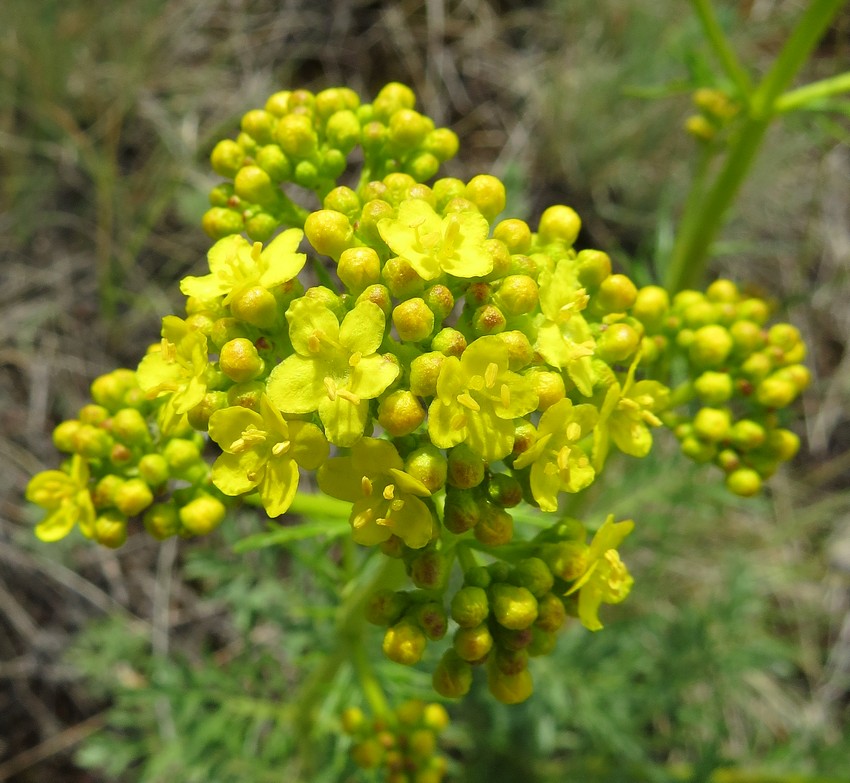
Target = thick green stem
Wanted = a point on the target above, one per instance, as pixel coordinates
(703, 218)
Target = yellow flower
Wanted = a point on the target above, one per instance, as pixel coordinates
(386, 499)
(605, 578)
(432, 244)
(66, 496)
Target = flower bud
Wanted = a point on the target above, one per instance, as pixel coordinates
(92, 442)
(472, 644)
(488, 319)
(487, 193)
(424, 371)
(413, 320)
(386, 607)
(495, 527)
(783, 444)
(776, 391)
(617, 342)
(377, 294)
(469, 606)
(358, 268)
(465, 467)
(566, 559)
(428, 465)
(404, 643)
(746, 435)
(255, 305)
(449, 342)
(219, 222)
(132, 497)
(110, 529)
(551, 614)
(368, 753)
(429, 570)
(254, 185)
(402, 279)
(445, 190)
(756, 366)
(477, 576)
(559, 223)
(422, 166)
(513, 607)
(516, 234)
(199, 416)
(744, 482)
(103, 494)
(452, 676)
(295, 134)
(517, 295)
(239, 360)
(714, 388)
(162, 521)
(373, 211)
(440, 301)
(711, 346)
(181, 455)
(509, 688)
(504, 490)
(651, 306)
(542, 642)
(400, 413)
(352, 720)
(616, 294)
(593, 267)
(227, 158)
(202, 515)
(329, 232)
(432, 618)
(534, 575)
(461, 511)
(153, 470)
(64, 435)
(698, 450)
(712, 424)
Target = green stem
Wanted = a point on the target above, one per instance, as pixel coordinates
(350, 626)
(465, 556)
(802, 97)
(369, 682)
(717, 38)
(316, 504)
(703, 218)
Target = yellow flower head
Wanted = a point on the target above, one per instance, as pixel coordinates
(66, 497)
(386, 499)
(434, 245)
(605, 578)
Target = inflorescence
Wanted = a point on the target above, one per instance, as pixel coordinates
(433, 364)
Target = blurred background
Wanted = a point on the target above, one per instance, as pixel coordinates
(731, 659)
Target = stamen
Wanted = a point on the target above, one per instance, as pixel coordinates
(354, 359)
(506, 396)
(256, 249)
(573, 431)
(345, 394)
(466, 400)
(564, 459)
(389, 492)
(330, 385)
(366, 485)
(397, 505)
(490, 375)
(281, 447)
(458, 421)
(314, 342)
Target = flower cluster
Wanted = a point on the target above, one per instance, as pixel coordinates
(402, 744)
(436, 366)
